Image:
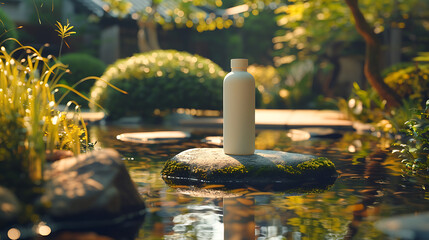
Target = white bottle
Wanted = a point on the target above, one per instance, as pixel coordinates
(239, 110)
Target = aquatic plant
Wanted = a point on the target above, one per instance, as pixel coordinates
(160, 81)
(415, 152)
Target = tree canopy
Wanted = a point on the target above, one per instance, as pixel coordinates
(312, 27)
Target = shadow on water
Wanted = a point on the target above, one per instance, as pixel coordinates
(375, 173)
(122, 227)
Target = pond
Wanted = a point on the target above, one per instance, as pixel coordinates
(370, 187)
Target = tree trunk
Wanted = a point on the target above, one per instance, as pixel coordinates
(147, 36)
(141, 37)
(395, 37)
(152, 34)
(395, 45)
(372, 55)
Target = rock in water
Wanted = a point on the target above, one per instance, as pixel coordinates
(212, 165)
(91, 185)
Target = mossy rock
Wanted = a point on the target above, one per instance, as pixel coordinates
(212, 165)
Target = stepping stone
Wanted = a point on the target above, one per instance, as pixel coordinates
(153, 137)
(212, 165)
(214, 140)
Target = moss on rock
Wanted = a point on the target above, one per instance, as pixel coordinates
(212, 165)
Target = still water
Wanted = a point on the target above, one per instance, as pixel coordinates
(370, 187)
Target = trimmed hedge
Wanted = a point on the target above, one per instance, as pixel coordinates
(161, 79)
(81, 65)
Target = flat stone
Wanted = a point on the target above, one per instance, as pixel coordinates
(88, 116)
(406, 227)
(90, 186)
(214, 166)
(153, 137)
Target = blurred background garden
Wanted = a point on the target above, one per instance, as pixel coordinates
(303, 54)
(155, 60)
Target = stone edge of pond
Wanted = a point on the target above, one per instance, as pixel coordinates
(212, 165)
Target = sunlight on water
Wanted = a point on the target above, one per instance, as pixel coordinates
(369, 188)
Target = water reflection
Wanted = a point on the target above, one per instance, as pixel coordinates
(370, 187)
(201, 222)
(239, 218)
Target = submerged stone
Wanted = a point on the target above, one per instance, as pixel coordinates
(265, 166)
(90, 186)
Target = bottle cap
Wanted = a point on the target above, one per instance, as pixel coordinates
(239, 63)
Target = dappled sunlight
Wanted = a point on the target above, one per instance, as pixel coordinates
(76, 185)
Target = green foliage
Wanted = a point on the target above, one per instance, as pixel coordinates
(422, 57)
(311, 28)
(366, 106)
(415, 152)
(81, 65)
(45, 11)
(293, 90)
(410, 82)
(7, 30)
(363, 105)
(160, 80)
(267, 81)
(257, 34)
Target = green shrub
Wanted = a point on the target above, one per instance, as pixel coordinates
(363, 105)
(81, 65)
(161, 79)
(415, 152)
(7, 30)
(410, 82)
(396, 67)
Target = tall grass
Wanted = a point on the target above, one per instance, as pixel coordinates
(30, 123)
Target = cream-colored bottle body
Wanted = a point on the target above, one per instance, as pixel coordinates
(239, 110)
